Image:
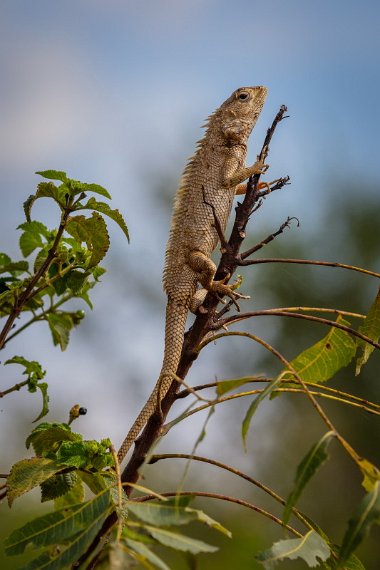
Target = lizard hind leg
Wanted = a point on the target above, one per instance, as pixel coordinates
(205, 269)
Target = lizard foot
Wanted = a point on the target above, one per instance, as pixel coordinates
(220, 289)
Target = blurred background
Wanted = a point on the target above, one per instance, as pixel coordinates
(115, 93)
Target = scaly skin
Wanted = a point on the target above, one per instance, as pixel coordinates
(207, 189)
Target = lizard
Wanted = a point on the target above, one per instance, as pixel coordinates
(212, 177)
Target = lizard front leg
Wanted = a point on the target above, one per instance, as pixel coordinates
(234, 176)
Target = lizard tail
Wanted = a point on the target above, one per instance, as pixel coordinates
(176, 315)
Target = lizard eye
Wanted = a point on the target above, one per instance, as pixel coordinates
(243, 96)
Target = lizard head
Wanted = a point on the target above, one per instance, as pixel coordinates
(239, 113)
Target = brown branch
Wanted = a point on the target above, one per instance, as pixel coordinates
(14, 388)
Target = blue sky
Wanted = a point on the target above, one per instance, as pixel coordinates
(116, 91)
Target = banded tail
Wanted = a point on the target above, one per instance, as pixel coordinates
(176, 315)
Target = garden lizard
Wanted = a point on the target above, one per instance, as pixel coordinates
(209, 183)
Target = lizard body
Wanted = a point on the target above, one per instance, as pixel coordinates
(207, 188)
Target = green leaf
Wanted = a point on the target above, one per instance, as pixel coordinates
(254, 405)
(43, 387)
(81, 454)
(92, 231)
(57, 486)
(104, 208)
(46, 437)
(54, 175)
(29, 473)
(144, 551)
(306, 470)
(370, 328)
(73, 529)
(73, 496)
(95, 188)
(33, 369)
(310, 547)
(60, 325)
(36, 228)
(179, 541)
(322, 361)
(76, 280)
(367, 513)
(162, 514)
(14, 267)
(225, 386)
(29, 242)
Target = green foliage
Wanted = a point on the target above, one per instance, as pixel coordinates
(71, 529)
(28, 474)
(63, 264)
(324, 359)
(33, 370)
(306, 470)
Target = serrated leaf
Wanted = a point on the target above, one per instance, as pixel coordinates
(371, 474)
(74, 496)
(143, 549)
(306, 470)
(57, 486)
(104, 208)
(225, 386)
(179, 541)
(254, 405)
(367, 513)
(47, 437)
(94, 481)
(33, 369)
(370, 328)
(320, 362)
(162, 514)
(29, 473)
(34, 227)
(82, 454)
(60, 325)
(29, 242)
(73, 529)
(311, 548)
(53, 175)
(92, 231)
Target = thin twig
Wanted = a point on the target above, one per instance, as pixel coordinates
(233, 470)
(275, 313)
(14, 388)
(269, 238)
(310, 262)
